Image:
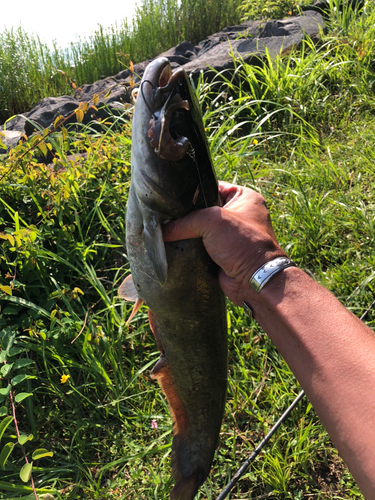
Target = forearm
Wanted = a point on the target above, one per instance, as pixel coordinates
(332, 354)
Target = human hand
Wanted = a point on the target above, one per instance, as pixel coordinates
(238, 236)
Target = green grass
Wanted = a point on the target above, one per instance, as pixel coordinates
(301, 131)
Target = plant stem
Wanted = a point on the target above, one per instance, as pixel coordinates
(18, 436)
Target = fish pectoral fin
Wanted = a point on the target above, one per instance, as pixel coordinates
(154, 243)
(127, 291)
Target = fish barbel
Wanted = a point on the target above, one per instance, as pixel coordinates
(172, 175)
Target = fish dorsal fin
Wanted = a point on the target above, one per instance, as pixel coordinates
(128, 292)
(154, 243)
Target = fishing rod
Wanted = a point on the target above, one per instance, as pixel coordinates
(241, 471)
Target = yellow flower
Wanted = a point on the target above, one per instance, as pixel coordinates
(64, 378)
(255, 142)
(75, 293)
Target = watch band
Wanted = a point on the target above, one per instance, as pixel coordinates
(269, 269)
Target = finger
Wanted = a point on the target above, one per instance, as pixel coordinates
(184, 228)
(228, 191)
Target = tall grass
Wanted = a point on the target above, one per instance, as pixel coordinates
(31, 70)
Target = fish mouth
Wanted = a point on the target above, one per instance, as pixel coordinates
(158, 73)
(167, 111)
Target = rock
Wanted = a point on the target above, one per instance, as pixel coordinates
(48, 109)
(249, 29)
(274, 36)
(307, 24)
(44, 114)
(181, 54)
(10, 139)
(249, 41)
(125, 75)
(118, 91)
(16, 123)
(118, 85)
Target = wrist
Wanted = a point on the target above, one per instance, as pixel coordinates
(267, 282)
(254, 264)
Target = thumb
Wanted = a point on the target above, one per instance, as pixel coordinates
(183, 228)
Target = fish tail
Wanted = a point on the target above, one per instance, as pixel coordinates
(187, 488)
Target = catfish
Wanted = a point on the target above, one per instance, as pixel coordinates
(172, 174)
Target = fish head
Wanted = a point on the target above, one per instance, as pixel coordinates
(170, 152)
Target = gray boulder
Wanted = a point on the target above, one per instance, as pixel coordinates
(10, 139)
(43, 115)
(48, 109)
(249, 29)
(251, 44)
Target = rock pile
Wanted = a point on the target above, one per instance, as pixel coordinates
(248, 41)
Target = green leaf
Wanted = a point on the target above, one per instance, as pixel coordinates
(43, 148)
(5, 391)
(41, 452)
(6, 289)
(5, 452)
(20, 378)
(6, 369)
(20, 363)
(26, 303)
(22, 395)
(20, 488)
(24, 438)
(25, 472)
(4, 424)
(355, 491)
(8, 340)
(10, 310)
(3, 356)
(15, 350)
(3, 411)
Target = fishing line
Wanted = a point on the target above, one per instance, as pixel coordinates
(241, 471)
(191, 153)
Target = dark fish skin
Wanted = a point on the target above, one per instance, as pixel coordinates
(172, 174)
